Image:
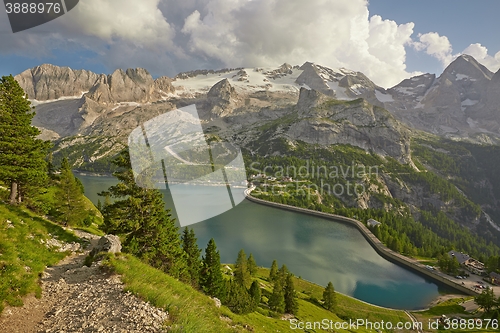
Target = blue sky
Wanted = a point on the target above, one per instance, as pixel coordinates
(388, 40)
(464, 22)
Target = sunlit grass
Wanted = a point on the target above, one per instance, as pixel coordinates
(23, 256)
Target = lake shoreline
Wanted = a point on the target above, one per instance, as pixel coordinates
(378, 246)
(371, 291)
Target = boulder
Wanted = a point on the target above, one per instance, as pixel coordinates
(107, 243)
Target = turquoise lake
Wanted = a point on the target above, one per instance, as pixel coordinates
(313, 248)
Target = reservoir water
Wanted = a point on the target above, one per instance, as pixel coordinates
(313, 248)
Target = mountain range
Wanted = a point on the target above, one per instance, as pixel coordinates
(462, 103)
(293, 110)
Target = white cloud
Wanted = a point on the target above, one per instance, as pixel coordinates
(169, 36)
(270, 32)
(435, 45)
(441, 48)
(138, 22)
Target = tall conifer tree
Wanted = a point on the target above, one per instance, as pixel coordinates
(291, 303)
(251, 265)
(329, 297)
(255, 293)
(139, 214)
(193, 253)
(211, 279)
(71, 204)
(277, 299)
(273, 273)
(241, 274)
(22, 155)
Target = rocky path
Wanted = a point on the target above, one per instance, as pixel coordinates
(77, 298)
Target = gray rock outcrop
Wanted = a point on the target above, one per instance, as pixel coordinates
(48, 82)
(107, 243)
(326, 121)
(132, 85)
(222, 98)
(462, 103)
(311, 77)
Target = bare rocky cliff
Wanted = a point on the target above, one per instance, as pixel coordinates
(326, 121)
(462, 103)
(49, 82)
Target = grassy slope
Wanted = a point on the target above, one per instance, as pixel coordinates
(194, 312)
(190, 310)
(22, 255)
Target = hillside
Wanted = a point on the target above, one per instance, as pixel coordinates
(28, 244)
(197, 313)
(26, 252)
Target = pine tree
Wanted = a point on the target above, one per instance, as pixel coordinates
(255, 293)
(139, 214)
(273, 273)
(277, 299)
(71, 205)
(291, 303)
(190, 247)
(237, 298)
(22, 155)
(251, 265)
(241, 274)
(211, 279)
(282, 274)
(329, 297)
(50, 165)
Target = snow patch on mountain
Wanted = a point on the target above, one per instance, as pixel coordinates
(405, 90)
(340, 93)
(356, 88)
(243, 80)
(468, 102)
(35, 102)
(383, 97)
(462, 76)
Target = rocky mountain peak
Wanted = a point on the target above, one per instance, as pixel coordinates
(49, 82)
(357, 81)
(132, 85)
(311, 77)
(310, 98)
(464, 67)
(222, 90)
(324, 120)
(164, 85)
(222, 98)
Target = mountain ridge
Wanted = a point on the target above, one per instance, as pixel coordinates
(461, 103)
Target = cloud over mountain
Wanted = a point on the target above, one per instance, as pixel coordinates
(440, 47)
(169, 36)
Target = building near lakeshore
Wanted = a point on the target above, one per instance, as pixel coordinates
(469, 263)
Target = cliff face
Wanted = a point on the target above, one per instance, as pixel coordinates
(49, 82)
(132, 85)
(222, 99)
(462, 103)
(325, 121)
(69, 102)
